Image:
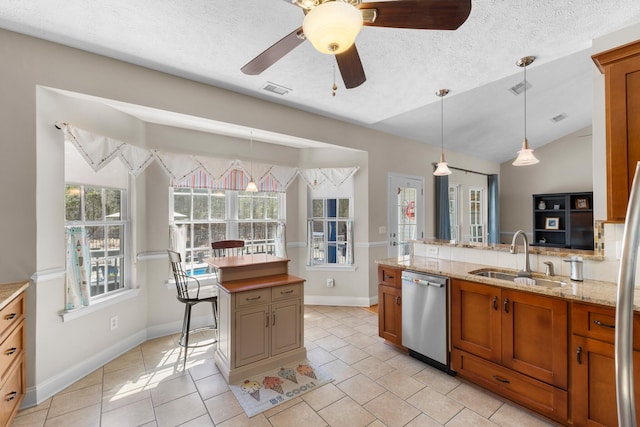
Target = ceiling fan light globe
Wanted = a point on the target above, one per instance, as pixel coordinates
(332, 27)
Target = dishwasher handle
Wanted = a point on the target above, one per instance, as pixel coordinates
(422, 282)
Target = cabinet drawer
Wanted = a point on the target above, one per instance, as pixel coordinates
(598, 322)
(287, 291)
(249, 298)
(534, 394)
(390, 276)
(11, 349)
(11, 394)
(11, 315)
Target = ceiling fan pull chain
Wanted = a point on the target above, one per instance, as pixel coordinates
(334, 87)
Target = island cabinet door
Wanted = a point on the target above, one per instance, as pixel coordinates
(475, 319)
(252, 334)
(285, 326)
(534, 336)
(593, 382)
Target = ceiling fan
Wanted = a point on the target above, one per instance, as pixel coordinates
(332, 26)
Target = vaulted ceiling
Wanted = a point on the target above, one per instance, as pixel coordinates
(210, 40)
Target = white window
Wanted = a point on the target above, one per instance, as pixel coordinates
(206, 215)
(101, 215)
(330, 231)
(476, 229)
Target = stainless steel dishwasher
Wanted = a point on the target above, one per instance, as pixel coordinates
(425, 318)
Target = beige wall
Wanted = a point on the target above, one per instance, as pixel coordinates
(33, 223)
(565, 166)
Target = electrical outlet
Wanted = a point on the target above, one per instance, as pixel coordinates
(113, 323)
(330, 283)
(432, 250)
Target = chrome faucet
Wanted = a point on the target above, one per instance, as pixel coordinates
(514, 250)
(549, 268)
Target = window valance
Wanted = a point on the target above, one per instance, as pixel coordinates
(185, 170)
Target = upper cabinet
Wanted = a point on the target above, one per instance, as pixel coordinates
(621, 69)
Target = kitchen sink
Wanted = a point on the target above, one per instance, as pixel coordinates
(511, 277)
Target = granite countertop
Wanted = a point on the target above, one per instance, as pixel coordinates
(8, 291)
(589, 291)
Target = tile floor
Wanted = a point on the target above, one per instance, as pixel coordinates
(374, 385)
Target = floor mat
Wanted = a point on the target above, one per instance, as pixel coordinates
(271, 388)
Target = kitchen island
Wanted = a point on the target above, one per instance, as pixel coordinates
(260, 309)
(548, 348)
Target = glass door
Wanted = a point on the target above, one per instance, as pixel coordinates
(405, 216)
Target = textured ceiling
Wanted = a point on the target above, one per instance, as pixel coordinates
(210, 40)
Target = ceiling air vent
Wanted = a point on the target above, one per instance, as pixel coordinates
(519, 88)
(558, 118)
(277, 89)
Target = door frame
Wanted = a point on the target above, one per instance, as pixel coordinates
(393, 181)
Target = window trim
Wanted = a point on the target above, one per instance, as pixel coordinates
(125, 273)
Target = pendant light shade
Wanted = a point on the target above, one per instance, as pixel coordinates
(442, 167)
(251, 186)
(525, 155)
(332, 27)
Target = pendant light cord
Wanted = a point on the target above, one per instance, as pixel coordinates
(525, 101)
(441, 125)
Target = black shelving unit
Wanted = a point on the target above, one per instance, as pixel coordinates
(563, 220)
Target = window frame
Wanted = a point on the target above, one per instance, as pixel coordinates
(232, 221)
(123, 221)
(477, 228)
(325, 244)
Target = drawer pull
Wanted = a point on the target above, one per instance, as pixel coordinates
(506, 305)
(604, 325)
(397, 299)
(11, 396)
(579, 355)
(495, 303)
(11, 351)
(290, 291)
(10, 316)
(254, 298)
(274, 320)
(502, 380)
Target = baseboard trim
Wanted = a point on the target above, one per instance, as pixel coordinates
(341, 300)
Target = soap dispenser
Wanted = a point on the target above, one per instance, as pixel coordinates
(576, 268)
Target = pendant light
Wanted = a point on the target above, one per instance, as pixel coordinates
(442, 168)
(251, 186)
(525, 155)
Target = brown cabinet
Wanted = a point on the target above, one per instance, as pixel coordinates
(390, 304)
(593, 382)
(12, 351)
(621, 69)
(513, 343)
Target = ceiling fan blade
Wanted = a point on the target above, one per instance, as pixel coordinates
(420, 14)
(351, 68)
(274, 53)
